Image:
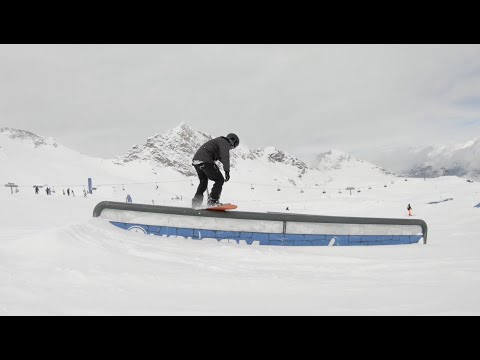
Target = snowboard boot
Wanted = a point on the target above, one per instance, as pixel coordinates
(196, 203)
(213, 202)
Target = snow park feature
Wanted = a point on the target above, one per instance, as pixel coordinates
(276, 229)
(56, 259)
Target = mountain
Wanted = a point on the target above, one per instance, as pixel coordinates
(338, 160)
(173, 149)
(177, 147)
(461, 160)
(28, 159)
(26, 137)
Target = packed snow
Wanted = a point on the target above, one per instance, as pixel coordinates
(56, 259)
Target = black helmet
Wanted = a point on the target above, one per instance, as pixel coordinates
(234, 140)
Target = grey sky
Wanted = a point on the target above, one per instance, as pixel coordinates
(306, 99)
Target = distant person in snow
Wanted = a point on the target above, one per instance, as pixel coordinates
(217, 149)
(68, 191)
(73, 193)
(36, 190)
(84, 193)
(409, 208)
(129, 199)
(63, 191)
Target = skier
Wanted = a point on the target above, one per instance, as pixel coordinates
(217, 149)
(36, 190)
(409, 208)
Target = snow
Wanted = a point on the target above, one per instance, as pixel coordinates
(56, 259)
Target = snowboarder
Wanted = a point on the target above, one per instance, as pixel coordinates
(409, 208)
(217, 149)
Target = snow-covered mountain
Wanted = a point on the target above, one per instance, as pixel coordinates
(27, 137)
(29, 159)
(176, 148)
(336, 160)
(459, 160)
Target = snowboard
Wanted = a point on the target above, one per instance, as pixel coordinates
(220, 207)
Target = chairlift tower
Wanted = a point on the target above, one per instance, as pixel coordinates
(11, 186)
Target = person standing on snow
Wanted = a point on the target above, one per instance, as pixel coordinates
(217, 149)
(409, 208)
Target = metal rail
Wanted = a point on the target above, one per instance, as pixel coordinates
(243, 215)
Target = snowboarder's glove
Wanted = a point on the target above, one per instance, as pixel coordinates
(227, 176)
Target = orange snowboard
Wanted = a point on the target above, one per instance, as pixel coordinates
(223, 207)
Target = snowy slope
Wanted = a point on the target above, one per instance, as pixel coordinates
(28, 159)
(55, 259)
(163, 163)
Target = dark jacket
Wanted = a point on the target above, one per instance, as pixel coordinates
(215, 150)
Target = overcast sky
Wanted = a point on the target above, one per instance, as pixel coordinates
(305, 99)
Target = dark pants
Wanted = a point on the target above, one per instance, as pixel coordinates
(205, 172)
